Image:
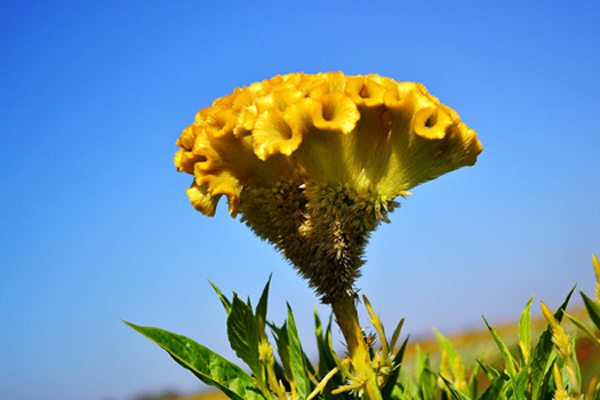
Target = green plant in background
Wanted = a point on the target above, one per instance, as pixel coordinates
(545, 368)
(313, 163)
(592, 307)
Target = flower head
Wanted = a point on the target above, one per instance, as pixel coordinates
(314, 162)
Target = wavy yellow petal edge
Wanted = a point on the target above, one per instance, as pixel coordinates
(308, 127)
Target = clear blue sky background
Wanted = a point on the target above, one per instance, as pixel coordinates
(95, 225)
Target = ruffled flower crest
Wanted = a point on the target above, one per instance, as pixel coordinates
(313, 162)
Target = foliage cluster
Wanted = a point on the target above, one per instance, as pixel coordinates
(542, 369)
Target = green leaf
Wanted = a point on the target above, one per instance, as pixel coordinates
(490, 372)
(281, 340)
(518, 381)
(242, 333)
(326, 360)
(390, 384)
(544, 391)
(396, 334)
(455, 393)
(326, 356)
(224, 300)
(208, 366)
(542, 352)
(493, 392)
(261, 310)
(426, 378)
(279, 373)
(453, 359)
(584, 328)
(400, 354)
(473, 382)
(593, 309)
(296, 354)
(509, 362)
(398, 394)
(525, 332)
(576, 366)
(310, 369)
(519, 385)
(407, 386)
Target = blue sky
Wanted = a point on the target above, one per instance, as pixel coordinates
(96, 225)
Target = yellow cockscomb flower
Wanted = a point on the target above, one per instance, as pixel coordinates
(314, 162)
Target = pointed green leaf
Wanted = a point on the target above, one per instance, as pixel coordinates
(540, 358)
(576, 367)
(297, 365)
(454, 360)
(473, 382)
(519, 385)
(242, 333)
(490, 372)
(456, 394)
(495, 390)
(426, 377)
(584, 328)
(390, 384)
(326, 362)
(509, 362)
(208, 366)
(544, 391)
(421, 362)
(261, 309)
(400, 354)
(398, 394)
(408, 387)
(396, 334)
(279, 373)
(592, 308)
(310, 369)
(525, 331)
(224, 300)
(281, 340)
(326, 358)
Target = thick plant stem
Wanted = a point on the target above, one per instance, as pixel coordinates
(346, 317)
